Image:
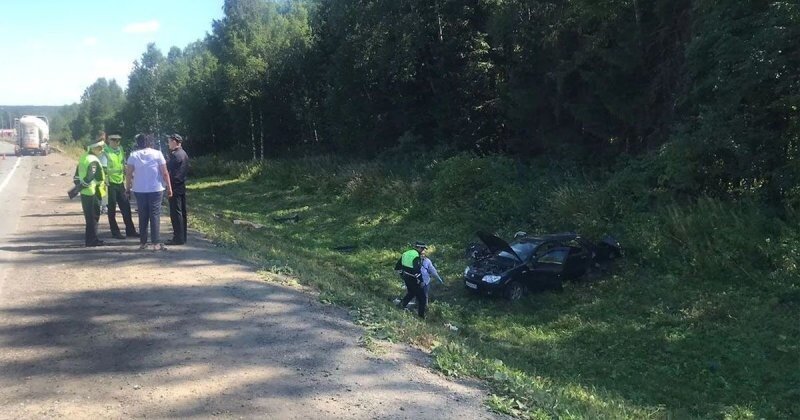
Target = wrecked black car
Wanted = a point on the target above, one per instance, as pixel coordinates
(533, 263)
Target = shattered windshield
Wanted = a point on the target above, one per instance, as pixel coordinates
(523, 249)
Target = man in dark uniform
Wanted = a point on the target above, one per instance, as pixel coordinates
(178, 167)
(89, 177)
(409, 267)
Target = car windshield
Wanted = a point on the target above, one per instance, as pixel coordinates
(523, 249)
(556, 256)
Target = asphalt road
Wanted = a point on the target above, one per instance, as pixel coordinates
(189, 332)
(6, 147)
(14, 173)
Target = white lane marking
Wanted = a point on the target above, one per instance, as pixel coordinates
(10, 174)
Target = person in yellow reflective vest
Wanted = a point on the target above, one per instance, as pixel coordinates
(409, 266)
(89, 175)
(113, 161)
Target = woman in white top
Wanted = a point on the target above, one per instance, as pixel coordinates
(146, 176)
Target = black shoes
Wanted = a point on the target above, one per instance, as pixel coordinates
(96, 243)
(133, 235)
(173, 242)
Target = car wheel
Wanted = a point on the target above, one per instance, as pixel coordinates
(513, 291)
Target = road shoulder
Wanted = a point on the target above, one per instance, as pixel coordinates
(190, 332)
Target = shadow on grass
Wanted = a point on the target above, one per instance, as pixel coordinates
(692, 349)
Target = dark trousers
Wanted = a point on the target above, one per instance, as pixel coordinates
(149, 205)
(116, 195)
(91, 214)
(177, 215)
(415, 290)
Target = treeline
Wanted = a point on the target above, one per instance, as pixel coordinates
(703, 94)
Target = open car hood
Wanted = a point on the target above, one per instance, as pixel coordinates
(497, 245)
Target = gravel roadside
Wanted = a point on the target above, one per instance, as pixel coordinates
(189, 332)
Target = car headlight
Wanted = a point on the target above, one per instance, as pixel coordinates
(466, 271)
(491, 279)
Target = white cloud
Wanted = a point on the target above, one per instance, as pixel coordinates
(141, 27)
(112, 69)
(90, 41)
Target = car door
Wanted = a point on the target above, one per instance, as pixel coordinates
(577, 261)
(547, 271)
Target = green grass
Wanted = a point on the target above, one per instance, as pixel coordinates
(70, 149)
(699, 320)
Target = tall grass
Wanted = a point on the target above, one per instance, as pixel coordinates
(700, 318)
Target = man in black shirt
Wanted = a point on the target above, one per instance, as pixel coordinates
(178, 167)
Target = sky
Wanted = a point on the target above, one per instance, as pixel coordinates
(52, 50)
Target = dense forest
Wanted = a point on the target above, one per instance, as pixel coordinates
(704, 93)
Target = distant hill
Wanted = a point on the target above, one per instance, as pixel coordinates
(9, 112)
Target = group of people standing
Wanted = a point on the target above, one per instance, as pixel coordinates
(103, 174)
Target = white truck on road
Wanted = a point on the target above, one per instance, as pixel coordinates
(33, 135)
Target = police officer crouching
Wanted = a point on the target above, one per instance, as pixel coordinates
(409, 266)
(91, 179)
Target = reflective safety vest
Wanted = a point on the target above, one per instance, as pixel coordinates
(83, 168)
(407, 261)
(116, 165)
